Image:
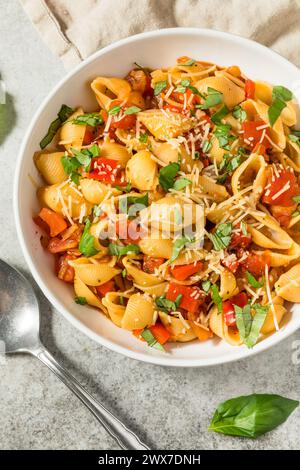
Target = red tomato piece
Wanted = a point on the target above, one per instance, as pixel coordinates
(239, 240)
(280, 188)
(181, 273)
(150, 264)
(249, 89)
(192, 297)
(253, 134)
(283, 214)
(107, 170)
(56, 222)
(231, 263)
(108, 286)
(241, 300)
(65, 272)
(127, 121)
(255, 263)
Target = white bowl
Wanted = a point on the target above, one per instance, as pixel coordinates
(152, 49)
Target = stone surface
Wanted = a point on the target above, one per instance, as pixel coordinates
(169, 408)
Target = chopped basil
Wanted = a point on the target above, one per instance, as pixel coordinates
(239, 113)
(132, 110)
(143, 138)
(70, 165)
(63, 114)
(181, 183)
(125, 189)
(124, 273)
(84, 157)
(178, 245)
(221, 238)
(184, 85)
(213, 98)
(216, 298)
(118, 250)
(219, 115)
(206, 146)
(80, 300)
(222, 133)
(206, 286)
(296, 199)
(114, 110)
(126, 202)
(252, 415)
(294, 139)
(167, 175)
(166, 305)
(228, 165)
(244, 228)
(188, 62)
(159, 87)
(249, 326)
(280, 95)
(152, 342)
(254, 282)
(91, 119)
(86, 243)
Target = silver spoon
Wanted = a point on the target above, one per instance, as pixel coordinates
(19, 329)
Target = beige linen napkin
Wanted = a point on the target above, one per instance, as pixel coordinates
(74, 29)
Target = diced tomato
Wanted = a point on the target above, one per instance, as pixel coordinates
(42, 224)
(231, 263)
(253, 136)
(192, 297)
(255, 263)
(127, 121)
(276, 182)
(65, 272)
(240, 240)
(181, 273)
(58, 245)
(159, 332)
(249, 89)
(108, 286)
(283, 214)
(107, 170)
(241, 300)
(56, 222)
(260, 150)
(88, 136)
(150, 264)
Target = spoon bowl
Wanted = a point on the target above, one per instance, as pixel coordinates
(19, 330)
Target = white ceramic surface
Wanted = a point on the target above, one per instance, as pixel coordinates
(152, 49)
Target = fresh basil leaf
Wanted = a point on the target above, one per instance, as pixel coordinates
(114, 110)
(125, 189)
(166, 305)
(143, 138)
(221, 238)
(294, 139)
(206, 286)
(296, 199)
(94, 150)
(244, 228)
(167, 175)
(216, 298)
(254, 282)
(132, 110)
(75, 177)
(159, 87)
(275, 109)
(80, 300)
(63, 114)
(219, 115)
(213, 98)
(86, 243)
(282, 93)
(124, 273)
(84, 157)
(152, 342)
(118, 250)
(90, 119)
(188, 62)
(178, 245)
(206, 146)
(222, 133)
(252, 415)
(243, 320)
(239, 113)
(70, 164)
(256, 325)
(126, 202)
(181, 183)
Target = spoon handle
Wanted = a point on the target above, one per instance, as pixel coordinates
(126, 439)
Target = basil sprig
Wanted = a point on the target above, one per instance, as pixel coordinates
(212, 99)
(86, 243)
(252, 415)
(280, 95)
(222, 236)
(253, 281)
(89, 119)
(167, 175)
(219, 115)
(63, 114)
(216, 298)
(249, 326)
(166, 305)
(160, 86)
(126, 203)
(119, 250)
(178, 245)
(151, 341)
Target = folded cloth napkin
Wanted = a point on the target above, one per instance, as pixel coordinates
(74, 29)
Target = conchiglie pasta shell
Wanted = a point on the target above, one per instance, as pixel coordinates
(115, 310)
(177, 329)
(228, 286)
(219, 327)
(163, 214)
(96, 274)
(131, 141)
(216, 153)
(283, 259)
(269, 326)
(288, 285)
(232, 94)
(138, 313)
(293, 152)
(50, 166)
(263, 92)
(141, 171)
(157, 247)
(94, 191)
(168, 153)
(115, 152)
(209, 187)
(72, 135)
(138, 275)
(271, 235)
(49, 196)
(81, 290)
(107, 89)
(157, 290)
(251, 172)
(165, 127)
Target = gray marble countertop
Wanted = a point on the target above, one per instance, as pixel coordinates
(169, 408)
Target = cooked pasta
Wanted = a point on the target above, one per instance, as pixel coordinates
(174, 207)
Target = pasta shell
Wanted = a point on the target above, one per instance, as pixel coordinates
(138, 275)
(179, 331)
(269, 325)
(157, 290)
(50, 166)
(251, 172)
(96, 274)
(228, 286)
(157, 247)
(165, 126)
(209, 187)
(141, 171)
(94, 191)
(108, 89)
(115, 152)
(288, 285)
(138, 313)
(72, 135)
(115, 310)
(263, 92)
(270, 235)
(168, 152)
(219, 327)
(81, 290)
(232, 94)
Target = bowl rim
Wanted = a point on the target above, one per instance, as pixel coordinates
(163, 360)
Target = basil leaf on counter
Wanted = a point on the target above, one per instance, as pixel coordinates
(86, 243)
(167, 175)
(63, 114)
(252, 415)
